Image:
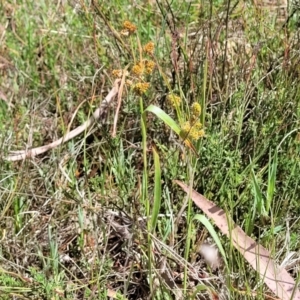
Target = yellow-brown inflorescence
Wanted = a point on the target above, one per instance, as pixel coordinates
(128, 28)
(119, 73)
(141, 68)
(149, 48)
(192, 131)
(173, 100)
(195, 110)
(138, 69)
(149, 66)
(141, 87)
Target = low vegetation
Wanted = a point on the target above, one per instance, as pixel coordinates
(208, 93)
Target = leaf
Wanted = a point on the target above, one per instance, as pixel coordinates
(212, 232)
(258, 196)
(277, 279)
(271, 180)
(164, 117)
(157, 189)
(171, 123)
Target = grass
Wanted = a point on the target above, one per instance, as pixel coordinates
(100, 217)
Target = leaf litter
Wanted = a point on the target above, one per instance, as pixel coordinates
(279, 281)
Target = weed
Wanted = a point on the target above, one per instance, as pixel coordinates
(210, 97)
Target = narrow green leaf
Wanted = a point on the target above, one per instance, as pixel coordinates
(164, 117)
(157, 190)
(171, 123)
(213, 234)
(271, 180)
(258, 196)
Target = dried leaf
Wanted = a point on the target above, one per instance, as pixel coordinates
(277, 279)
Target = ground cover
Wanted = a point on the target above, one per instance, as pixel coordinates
(206, 93)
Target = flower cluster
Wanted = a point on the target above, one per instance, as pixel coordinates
(142, 68)
(193, 129)
(138, 69)
(149, 66)
(173, 100)
(119, 73)
(195, 111)
(128, 28)
(149, 48)
(141, 87)
(146, 66)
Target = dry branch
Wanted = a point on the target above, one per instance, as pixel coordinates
(23, 154)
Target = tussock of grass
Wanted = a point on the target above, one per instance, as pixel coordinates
(99, 216)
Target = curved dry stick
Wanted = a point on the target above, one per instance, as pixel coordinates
(19, 155)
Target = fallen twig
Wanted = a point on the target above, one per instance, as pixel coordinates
(23, 154)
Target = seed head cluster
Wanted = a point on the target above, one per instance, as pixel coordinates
(149, 48)
(173, 100)
(138, 69)
(128, 28)
(119, 73)
(141, 87)
(142, 68)
(149, 66)
(193, 129)
(195, 111)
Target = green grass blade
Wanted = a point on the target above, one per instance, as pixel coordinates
(171, 123)
(204, 88)
(213, 234)
(157, 190)
(145, 198)
(144, 146)
(271, 180)
(258, 196)
(164, 117)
